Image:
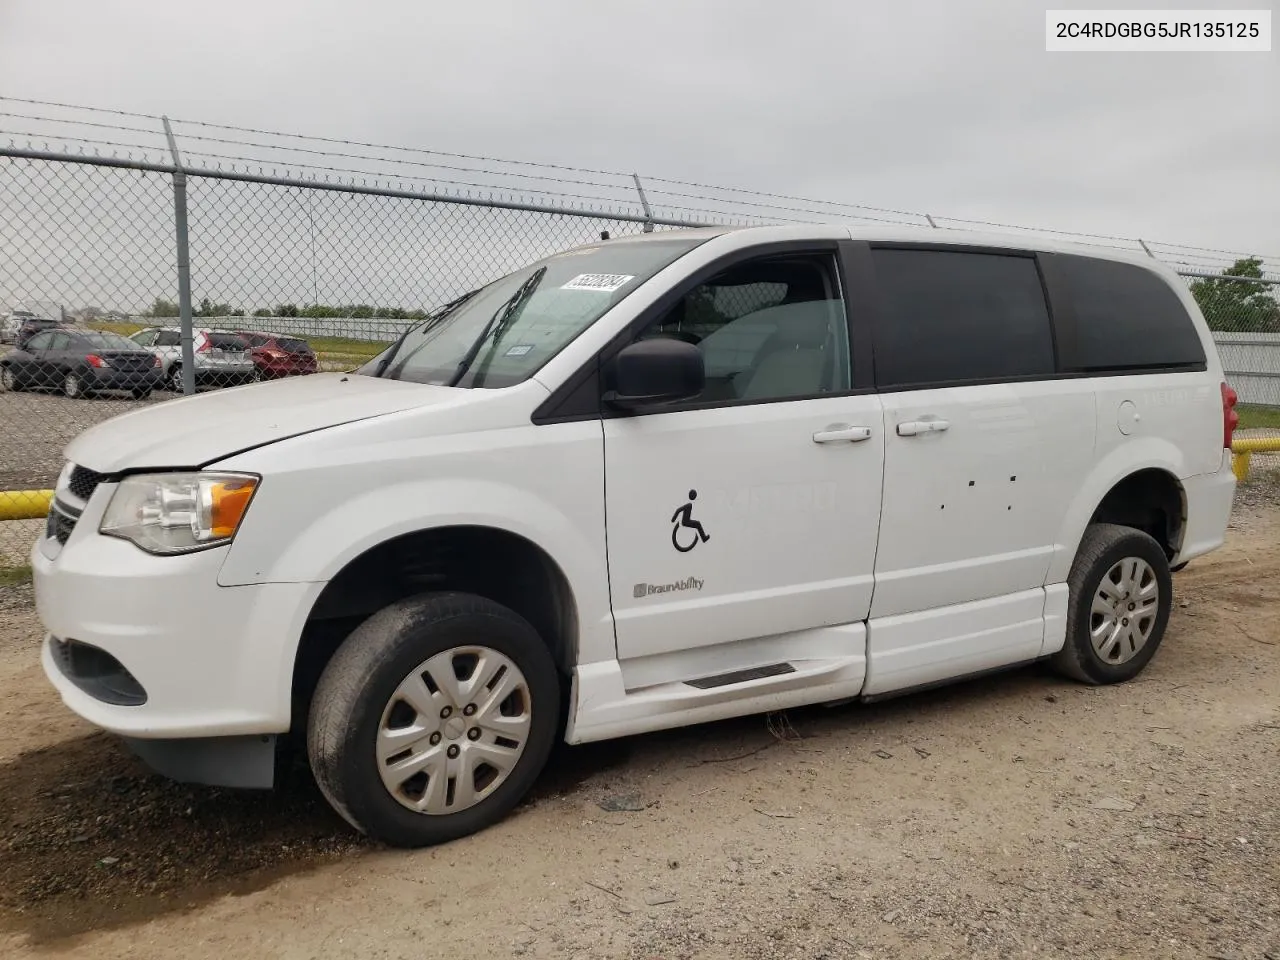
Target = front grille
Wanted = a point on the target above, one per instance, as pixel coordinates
(83, 482)
(60, 522)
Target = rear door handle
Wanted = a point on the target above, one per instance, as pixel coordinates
(914, 428)
(839, 432)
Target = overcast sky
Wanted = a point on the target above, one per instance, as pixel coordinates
(946, 106)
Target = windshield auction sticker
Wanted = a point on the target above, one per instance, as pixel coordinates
(599, 282)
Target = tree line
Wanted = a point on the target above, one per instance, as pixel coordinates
(360, 311)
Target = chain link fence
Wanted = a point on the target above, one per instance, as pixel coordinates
(289, 277)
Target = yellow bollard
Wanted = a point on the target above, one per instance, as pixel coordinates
(1240, 466)
(24, 504)
(1243, 447)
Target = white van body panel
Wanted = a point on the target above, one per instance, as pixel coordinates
(874, 589)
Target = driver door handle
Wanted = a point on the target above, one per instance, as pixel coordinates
(914, 428)
(837, 433)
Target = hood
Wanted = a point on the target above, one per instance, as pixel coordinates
(193, 431)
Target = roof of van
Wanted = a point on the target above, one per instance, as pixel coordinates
(894, 233)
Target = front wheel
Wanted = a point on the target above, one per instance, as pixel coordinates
(433, 719)
(8, 382)
(1121, 593)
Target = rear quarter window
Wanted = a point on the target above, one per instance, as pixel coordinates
(1126, 318)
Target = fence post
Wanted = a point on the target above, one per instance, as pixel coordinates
(184, 263)
(644, 202)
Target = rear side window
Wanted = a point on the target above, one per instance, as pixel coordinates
(167, 338)
(290, 345)
(226, 341)
(1126, 318)
(957, 317)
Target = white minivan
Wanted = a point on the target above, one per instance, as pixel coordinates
(648, 482)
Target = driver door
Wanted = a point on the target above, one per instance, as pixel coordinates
(751, 511)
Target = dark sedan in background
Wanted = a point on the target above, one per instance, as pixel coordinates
(80, 363)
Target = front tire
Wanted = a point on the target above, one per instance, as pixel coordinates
(1121, 593)
(433, 719)
(8, 382)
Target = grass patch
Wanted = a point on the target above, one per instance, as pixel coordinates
(9, 576)
(1253, 416)
(364, 349)
(360, 349)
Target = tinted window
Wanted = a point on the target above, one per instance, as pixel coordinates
(949, 317)
(257, 339)
(290, 345)
(226, 341)
(1126, 317)
(61, 341)
(167, 338)
(39, 342)
(768, 329)
(145, 338)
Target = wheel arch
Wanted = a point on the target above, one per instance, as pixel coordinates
(490, 561)
(1126, 488)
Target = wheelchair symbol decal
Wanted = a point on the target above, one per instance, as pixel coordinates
(682, 519)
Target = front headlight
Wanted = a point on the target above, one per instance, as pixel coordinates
(178, 512)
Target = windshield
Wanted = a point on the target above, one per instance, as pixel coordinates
(108, 341)
(529, 319)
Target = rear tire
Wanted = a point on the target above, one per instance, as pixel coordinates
(175, 378)
(1120, 596)
(380, 759)
(8, 382)
(73, 386)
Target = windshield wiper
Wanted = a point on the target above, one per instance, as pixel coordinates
(499, 321)
(424, 325)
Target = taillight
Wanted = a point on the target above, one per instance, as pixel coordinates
(203, 344)
(1230, 418)
(95, 361)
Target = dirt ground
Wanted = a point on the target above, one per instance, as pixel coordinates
(1018, 815)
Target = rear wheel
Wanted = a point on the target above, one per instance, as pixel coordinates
(1121, 592)
(73, 386)
(433, 719)
(175, 378)
(8, 382)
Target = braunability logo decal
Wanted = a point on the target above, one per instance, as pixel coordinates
(649, 589)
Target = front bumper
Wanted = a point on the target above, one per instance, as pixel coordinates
(214, 661)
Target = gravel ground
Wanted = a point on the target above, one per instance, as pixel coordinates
(1019, 815)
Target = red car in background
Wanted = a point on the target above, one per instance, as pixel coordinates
(280, 356)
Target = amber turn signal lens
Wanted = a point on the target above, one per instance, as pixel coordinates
(229, 502)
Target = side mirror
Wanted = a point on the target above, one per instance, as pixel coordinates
(652, 372)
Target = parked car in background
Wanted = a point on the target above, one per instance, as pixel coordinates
(222, 357)
(19, 328)
(278, 356)
(80, 363)
(9, 329)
